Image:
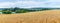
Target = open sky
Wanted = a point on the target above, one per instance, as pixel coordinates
(29, 3)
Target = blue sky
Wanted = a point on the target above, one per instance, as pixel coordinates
(29, 3)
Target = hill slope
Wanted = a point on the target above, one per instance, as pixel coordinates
(52, 16)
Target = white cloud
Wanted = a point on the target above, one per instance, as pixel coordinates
(38, 4)
(23, 4)
(28, 4)
(6, 4)
(19, 4)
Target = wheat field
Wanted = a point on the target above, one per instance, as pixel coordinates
(51, 16)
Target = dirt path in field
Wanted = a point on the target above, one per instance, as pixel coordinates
(52, 16)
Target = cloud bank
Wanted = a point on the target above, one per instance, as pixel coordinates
(31, 3)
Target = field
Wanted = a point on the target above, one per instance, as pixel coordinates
(50, 16)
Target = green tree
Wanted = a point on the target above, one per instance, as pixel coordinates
(20, 11)
(6, 11)
(16, 8)
(45, 9)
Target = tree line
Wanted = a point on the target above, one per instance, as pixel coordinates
(19, 10)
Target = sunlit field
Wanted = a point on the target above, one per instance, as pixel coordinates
(51, 16)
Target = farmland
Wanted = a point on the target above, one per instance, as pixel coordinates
(50, 16)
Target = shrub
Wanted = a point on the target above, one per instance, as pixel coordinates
(6, 11)
(45, 9)
(20, 11)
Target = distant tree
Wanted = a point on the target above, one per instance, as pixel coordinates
(16, 8)
(6, 11)
(20, 11)
(45, 9)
